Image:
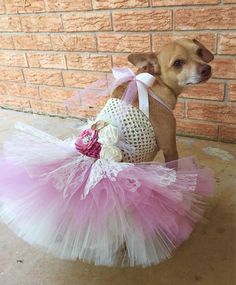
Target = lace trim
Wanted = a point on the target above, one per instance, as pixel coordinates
(101, 169)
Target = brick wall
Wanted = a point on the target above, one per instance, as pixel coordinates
(50, 48)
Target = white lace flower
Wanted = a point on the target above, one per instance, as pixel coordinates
(109, 135)
(111, 153)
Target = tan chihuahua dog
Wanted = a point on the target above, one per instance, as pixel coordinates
(178, 64)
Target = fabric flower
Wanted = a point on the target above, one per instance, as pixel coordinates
(87, 143)
(111, 152)
(109, 135)
(100, 141)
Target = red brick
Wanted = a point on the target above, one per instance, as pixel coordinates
(227, 43)
(124, 43)
(224, 67)
(11, 74)
(80, 79)
(13, 102)
(207, 39)
(46, 60)
(67, 5)
(52, 108)
(18, 89)
(227, 133)
(113, 4)
(6, 42)
(90, 100)
(10, 24)
(210, 18)
(32, 42)
(3, 88)
(23, 90)
(229, 1)
(154, 20)
(89, 62)
(232, 91)
(55, 94)
(220, 112)
(36, 106)
(85, 22)
(183, 2)
(208, 91)
(74, 42)
(20, 6)
(11, 58)
(122, 61)
(2, 7)
(179, 110)
(39, 23)
(84, 112)
(198, 129)
(44, 77)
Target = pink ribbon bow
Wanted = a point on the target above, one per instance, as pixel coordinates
(138, 87)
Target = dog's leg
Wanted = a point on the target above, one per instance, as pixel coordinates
(165, 132)
(170, 155)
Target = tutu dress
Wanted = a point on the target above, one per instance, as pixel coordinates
(101, 198)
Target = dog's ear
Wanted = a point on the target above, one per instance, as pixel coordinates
(203, 52)
(147, 62)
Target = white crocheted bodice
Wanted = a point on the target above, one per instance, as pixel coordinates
(135, 128)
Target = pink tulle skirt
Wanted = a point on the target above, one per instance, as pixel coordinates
(106, 213)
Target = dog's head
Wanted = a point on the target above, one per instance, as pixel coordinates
(178, 64)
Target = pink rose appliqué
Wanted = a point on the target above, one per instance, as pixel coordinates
(87, 143)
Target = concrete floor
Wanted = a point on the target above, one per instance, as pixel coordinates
(207, 258)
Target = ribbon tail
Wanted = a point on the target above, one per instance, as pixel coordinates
(144, 81)
(121, 75)
(130, 93)
(143, 98)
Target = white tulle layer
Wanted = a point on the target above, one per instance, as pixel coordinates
(101, 212)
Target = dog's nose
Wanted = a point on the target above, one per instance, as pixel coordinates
(204, 70)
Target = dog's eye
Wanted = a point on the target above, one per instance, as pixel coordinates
(179, 63)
